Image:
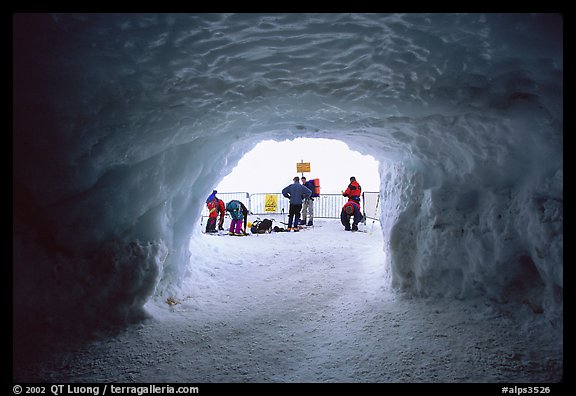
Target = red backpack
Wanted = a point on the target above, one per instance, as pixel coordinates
(314, 186)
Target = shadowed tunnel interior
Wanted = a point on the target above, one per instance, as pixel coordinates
(123, 123)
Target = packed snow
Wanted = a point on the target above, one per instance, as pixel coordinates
(124, 123)
(312, 306)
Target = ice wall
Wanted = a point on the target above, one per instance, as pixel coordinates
(489, 224)
(124, 123)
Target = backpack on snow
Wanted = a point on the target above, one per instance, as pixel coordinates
(261, 226)
(349, 208)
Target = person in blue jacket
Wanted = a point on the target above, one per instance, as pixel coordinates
(296, 192)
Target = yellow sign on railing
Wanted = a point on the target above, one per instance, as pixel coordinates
(303, 167)
(271, 204)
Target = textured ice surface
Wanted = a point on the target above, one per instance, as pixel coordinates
(124, 123)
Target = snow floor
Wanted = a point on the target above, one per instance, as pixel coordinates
(313, 306)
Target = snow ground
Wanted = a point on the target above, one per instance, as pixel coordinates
(313, 306)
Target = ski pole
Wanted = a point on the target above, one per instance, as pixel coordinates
(364, 208)
(376, 212)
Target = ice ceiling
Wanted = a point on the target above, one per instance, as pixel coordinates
(124, 123)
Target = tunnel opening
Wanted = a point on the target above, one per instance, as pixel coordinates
(269, 167)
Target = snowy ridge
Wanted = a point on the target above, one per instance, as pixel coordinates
(124, 123)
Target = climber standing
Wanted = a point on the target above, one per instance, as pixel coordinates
(308, 203)
(222, 210)
(212, 203)
(353, 190)
(296, 192)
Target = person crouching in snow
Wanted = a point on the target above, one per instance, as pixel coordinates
(238, 212)
(295, 192)
(351, 209)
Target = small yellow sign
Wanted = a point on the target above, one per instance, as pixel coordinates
(271, 203)
(302, 167)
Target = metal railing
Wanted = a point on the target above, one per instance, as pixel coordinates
(371, 204)
(326, 206)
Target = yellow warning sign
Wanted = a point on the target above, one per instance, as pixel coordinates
(271, 203)
(303, 167)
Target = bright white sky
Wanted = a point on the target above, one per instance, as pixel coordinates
(271, 165)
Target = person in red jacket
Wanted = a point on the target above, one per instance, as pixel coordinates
(354, 190)
(222, 210)
(214, 206)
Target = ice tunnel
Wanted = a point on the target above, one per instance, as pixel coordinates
(123, 123)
